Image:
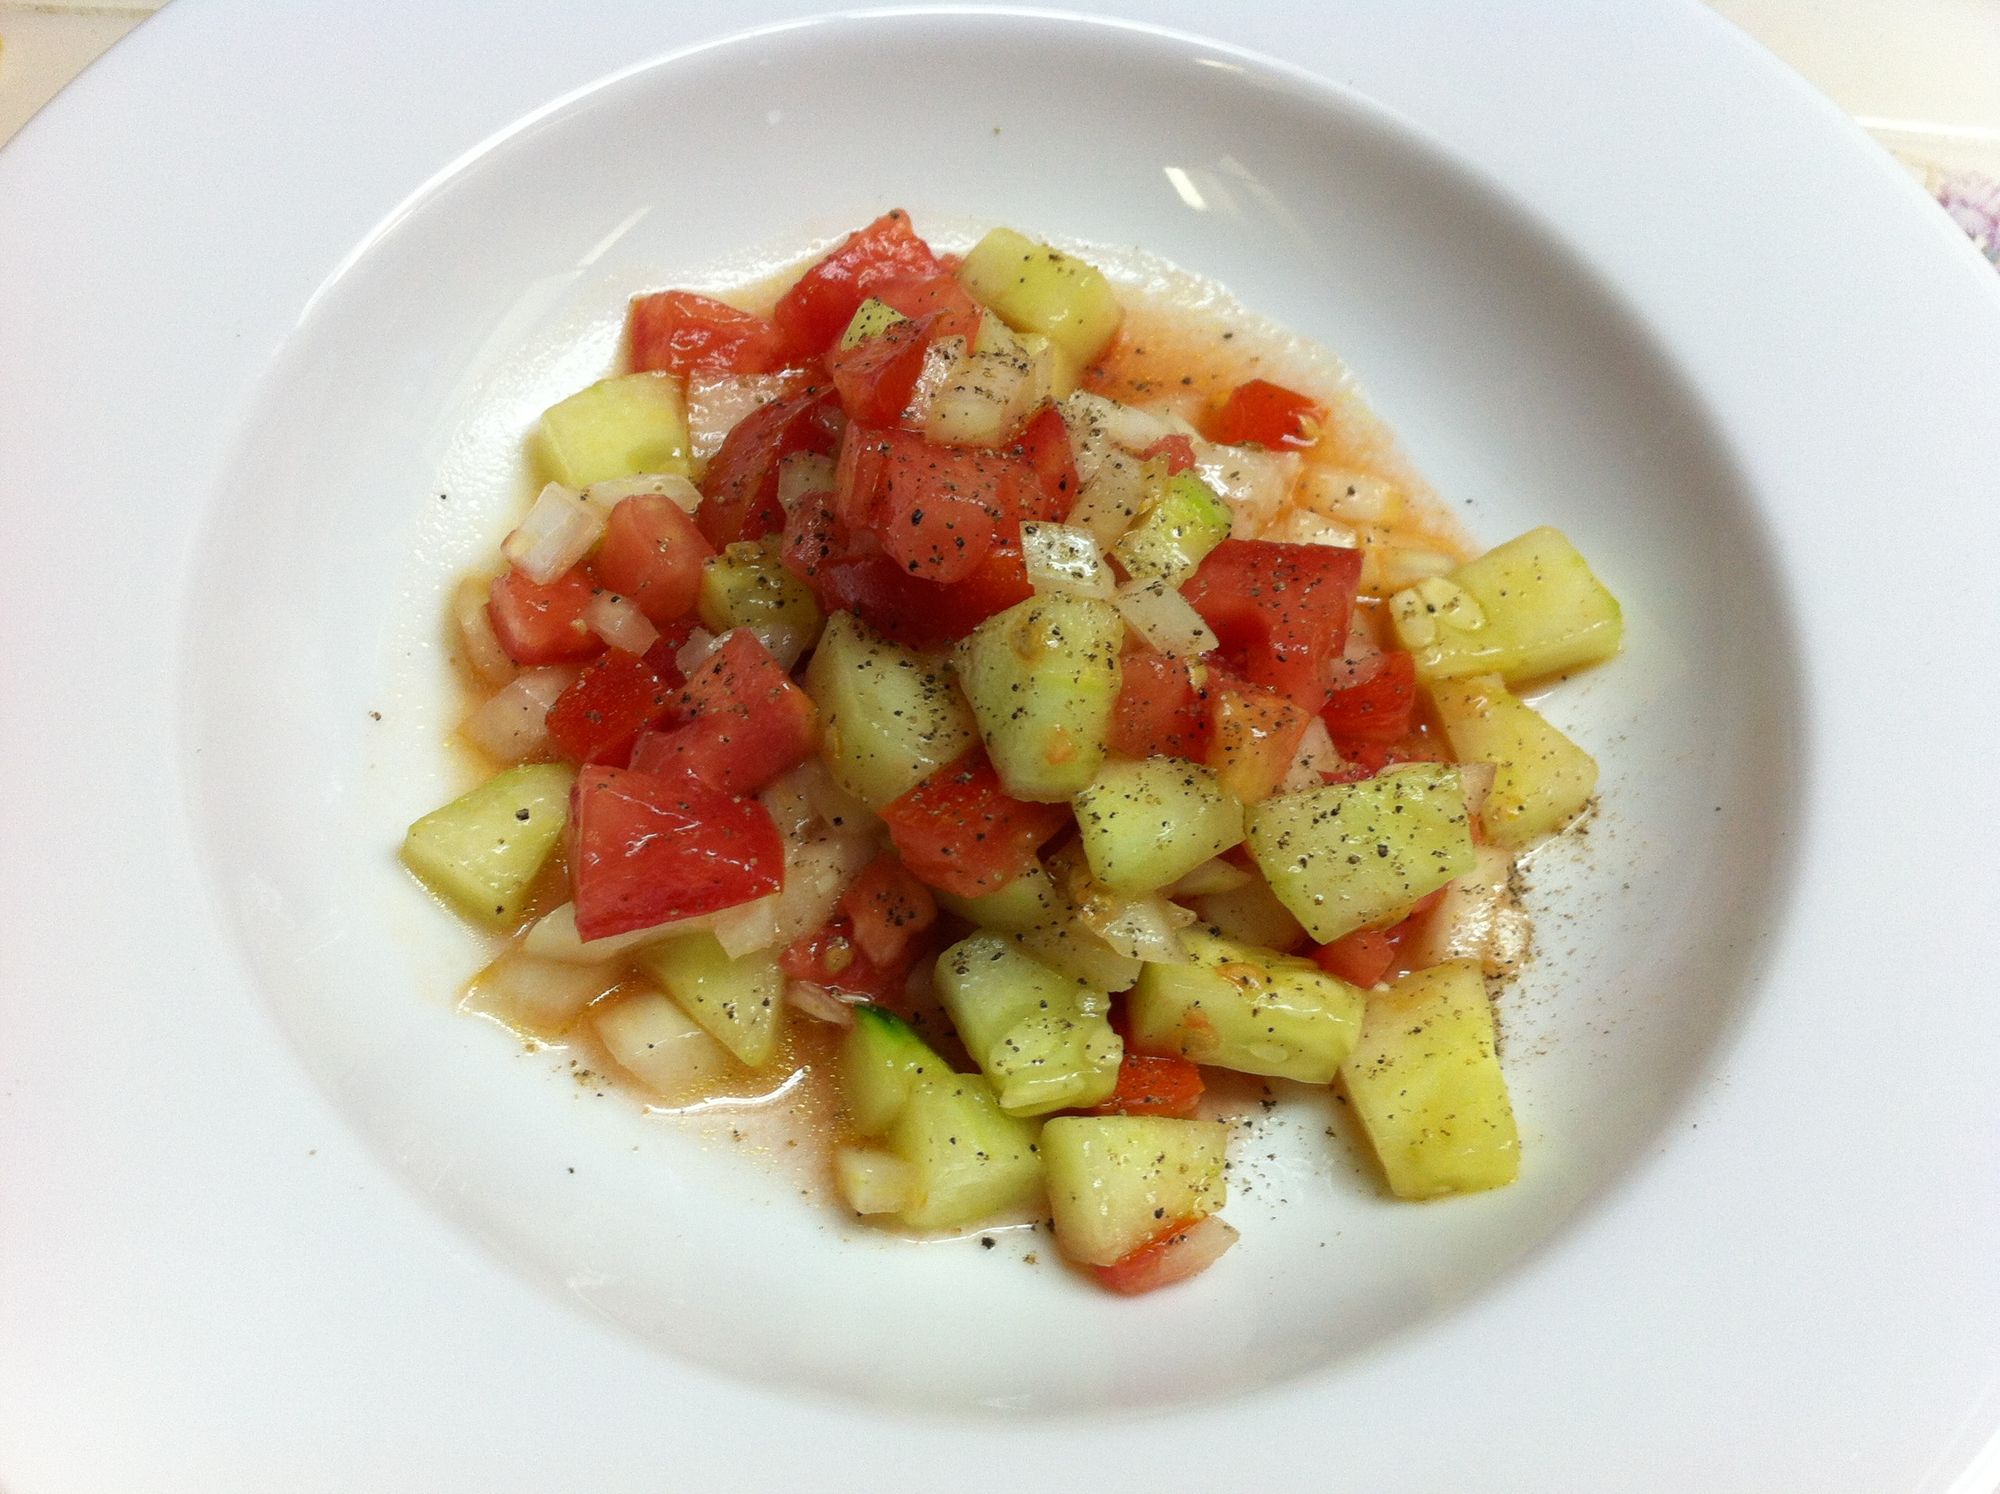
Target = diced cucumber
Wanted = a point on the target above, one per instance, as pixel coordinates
(660, 1045)
(970, 1160)
(890, 717)
(872, 1181)
(1250, 912)
(1171, 538)
(617, 427)
(1027, 902)
(1353, 855)
(1147, 824)
(1249, 1009)
(1117, 1181)
(881, 1060)
(1543, 779)
(748, 586)
(1041, 1037)
(1525, 609)
(871, 318)
(482, 852)
(1073, 949)
(1042, 678)
(740, 1001)
(1425, 1082)
(1034, 288)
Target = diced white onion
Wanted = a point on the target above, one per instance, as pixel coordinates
(815, 876)
(1479, 917)
(700, 644)
(1064, 558)
(514, 723)
(940, 358)
(1097, 424)
(716, 402)
(541, 995)
(1256, 484)
(986, 395)
(1164, 618)
(558, 532)
(1477, 780)
(1352, 497)
(1212, 876)
(620, 623)
(802, 473)
(839, 811)
(873, 1181)
(747, 927)
(820, 1003)
(1144, 928)
(613, 491)
(1316, 757)
(554, 937)
(1391, 568)
(789, 804)
(1107, 504)
(660, 1045)
(476, 638)
(1299, 525)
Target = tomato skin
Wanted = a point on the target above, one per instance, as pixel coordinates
(888, 907)
(1178, 451)
(1160, 713)
(939, 296)
(876, 377)
(830, 956)
(1280, 610)
(935, 509)
(1261, 413)
(1044, 446)
(618, 695)
(1183, 1249)
(740, 488)
(1380, 709)
(645, 850)
(543, 624)
(962, 833)
(817, 309)
(743, 722)
(1149, 1085)
(1255, 737)
(652, 553)
(681, 332)
(1370, 758)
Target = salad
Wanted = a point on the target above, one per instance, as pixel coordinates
(924, 683)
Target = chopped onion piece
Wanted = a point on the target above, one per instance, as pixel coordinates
(940, 358)
(1298, 525)
(1255, 484)
(1316, 757)
(1352, 497)
(660, 1045)
(1480, 918)
(1097, 424)
(839, 811)
(986, 395)
(801, 473)
(554, 937)
(1477, 781)
(613, 491)
(700, 644)
(524, 990)
(820, 1002)
(1211, 877)
(1107, 504)
(1143, 928)
(1064, 558)
(1164, 618)
(815, 876)
(748, 927)
(514, 723)
(716, 402)
(558, 532)
(1391, 568)
(476, 639)
(620, 623)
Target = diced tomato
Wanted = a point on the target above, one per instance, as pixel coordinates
(601, 714)
(1361, 958)
(888, 908)
(876, 376)
(936, 509)
(1379, 709)
(1044, 445)
(939, 296)
(542, 624)
(683, 333)
(664, 655)
(645, 850)
(1177, 1252)
(743, 722)
(1280, 610)
(1149, 1085)
(1178, 450)
(1371, 758)
(740, 488)
(653, 552)
(817, 309)
(962, 833)
(1265, 414)
(830, 956)
(1256, 735)
(1160, 713)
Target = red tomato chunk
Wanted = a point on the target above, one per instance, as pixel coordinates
(681, 332)
(831, 956)
(653, 553)
(1280, 611)
(816, 310)
(962, 833)
(876, 376)
(1179, 1251)
(744, 722)
(1043, 444)
(1379, 709)
(1154, 1086)
(542, 624)
(1160, 712)
(645, 850)
(888, 908)
(1178, 451)
(740, 488)
(601, 714)
(939, 296)
(1261, 413)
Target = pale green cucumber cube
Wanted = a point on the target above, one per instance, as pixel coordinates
(1116, 1182)
(1028, 902)
(1034, 288)
(970, 1161)
(1171, 538)
(740, 1001)
(1523, 610)
(890, 717)
(1252, 1010)
(881, 1060)
(871, 318)
(618, 427)
(482, 852)
(1041, 1037)
(1042, 678)
(748, 586)
(1147, 824)
(1542, 779)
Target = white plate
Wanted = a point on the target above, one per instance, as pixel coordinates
(271, 1216)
